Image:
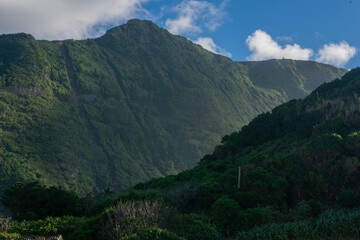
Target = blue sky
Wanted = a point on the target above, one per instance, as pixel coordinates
(324, 30)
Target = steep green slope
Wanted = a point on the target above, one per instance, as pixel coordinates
(42, 135)
(135, 103)
(296, 162)
(294, 78)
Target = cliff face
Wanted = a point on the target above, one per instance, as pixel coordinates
(133, 104)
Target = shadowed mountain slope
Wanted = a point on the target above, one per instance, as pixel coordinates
(135, 103)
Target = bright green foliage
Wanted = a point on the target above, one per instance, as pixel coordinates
(10, 236)
(133, 104)
(71, 228)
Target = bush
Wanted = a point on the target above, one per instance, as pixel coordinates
(333, 224)
(72, 228)
(129, 217)
(34, 201)
(193, 227)
(9, 236)
(307, 209)
(286, 231)
(252, 217)
(154, 233)
(142, 195)
(5, 224)
(225, 213)
(347, 199)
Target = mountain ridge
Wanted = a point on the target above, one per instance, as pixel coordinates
(135, 103)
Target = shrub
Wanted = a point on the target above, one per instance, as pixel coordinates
(193, 227)
(286, 231)
(129, 217)
(34, 201)
(9, 236)
(154, 233)
(347, 199)
(5, 224)
(252, 217)
(333, 224)
(72, 228)
(225, 213)
(307, 209)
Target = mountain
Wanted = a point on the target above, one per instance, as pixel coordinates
(293, 173)
(135, 103)
(297, 163)
(293, 78)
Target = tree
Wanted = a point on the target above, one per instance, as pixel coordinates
(225, 212)
(34, 201)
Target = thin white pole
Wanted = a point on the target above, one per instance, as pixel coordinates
(239, 177)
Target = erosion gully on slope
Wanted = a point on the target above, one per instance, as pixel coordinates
(90, 129)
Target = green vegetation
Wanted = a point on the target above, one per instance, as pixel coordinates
(133, 104)
(296, 79)
(333, 224)
(299, 180)
(297, 163)
(33, 201)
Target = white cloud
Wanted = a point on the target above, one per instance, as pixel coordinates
(193, 16)
(336, 54)
(208, 44)
(60, 19)
(264, 47)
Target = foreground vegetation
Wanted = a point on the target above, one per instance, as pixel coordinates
(145, 216)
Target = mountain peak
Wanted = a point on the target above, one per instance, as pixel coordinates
(137, 21)
(133, 25)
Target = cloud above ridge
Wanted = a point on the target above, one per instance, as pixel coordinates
(264, 47)
(61, 19)
(195, 16)
(208, 44)
(336, 54)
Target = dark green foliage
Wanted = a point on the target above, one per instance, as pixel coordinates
(261, 188)
(225, 213)
(347, 199)
(332, 225)
(193, 227)
(296, 162)
(258, 216)
(133, 104)
(154, 233)
(33, 201)
(307, 209)
(142, 195)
